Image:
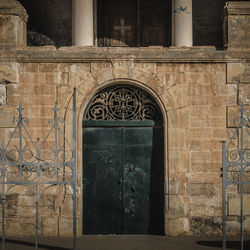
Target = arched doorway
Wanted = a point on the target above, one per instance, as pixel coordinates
(123, 163)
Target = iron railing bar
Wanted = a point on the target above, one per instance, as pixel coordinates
(47, 136)
(74, 170)
(34, 164)
(3, 197)
(224, 186)
(11, 137)
(241, 174)
(67, 142)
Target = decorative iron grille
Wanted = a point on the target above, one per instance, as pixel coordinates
(236, 167)
(38, 165)
(123, 103)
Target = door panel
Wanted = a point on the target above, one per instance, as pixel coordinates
(121, 169)
(101, 182)
(138, 149)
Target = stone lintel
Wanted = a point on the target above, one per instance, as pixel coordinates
(13, 7)
(237, 8)
(147, 55)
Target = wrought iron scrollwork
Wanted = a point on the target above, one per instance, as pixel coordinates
(123, 103)
(236, 166)
(38, 164)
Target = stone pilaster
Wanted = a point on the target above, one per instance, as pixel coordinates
(13, 19)
(237, 25)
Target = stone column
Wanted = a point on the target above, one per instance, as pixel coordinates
(182, 23)
(83, 23)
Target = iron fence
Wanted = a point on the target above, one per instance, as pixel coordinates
(38, 165)
(236, 169)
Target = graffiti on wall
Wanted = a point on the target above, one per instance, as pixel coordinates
(181, 10)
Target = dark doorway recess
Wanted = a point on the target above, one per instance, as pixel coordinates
(123, 167)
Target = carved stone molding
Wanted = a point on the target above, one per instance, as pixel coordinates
(13, 7)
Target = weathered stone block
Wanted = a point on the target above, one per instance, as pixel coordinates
(206, 157)
(238, 73)
(13, 227)
(27, 211)
(177, 227)
(6, 119)
(246, 226)
(67, 206)
(66, 227)
(173, 187)
(13, 18)
(232, 227)
(11, 206)
(205, 205)
(205, 226)
(47, 201)
(176, 206)
(200, 188)
(26, 201)
(2, 95)
(50, 227)
(237, 24)
(8, 72)
(234, 204)
(244, 94)
(233, 113)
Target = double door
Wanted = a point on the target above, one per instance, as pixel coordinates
(123, 179)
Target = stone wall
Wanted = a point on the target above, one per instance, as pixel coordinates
(195, 97)
(198, 90)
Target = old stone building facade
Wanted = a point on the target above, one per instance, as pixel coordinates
(197, 89)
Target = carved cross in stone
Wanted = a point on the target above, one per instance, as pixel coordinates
(122, 28)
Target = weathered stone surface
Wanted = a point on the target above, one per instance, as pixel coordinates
(233, 114)
(177, 227)
(234, 204)
(47, 201)
(26, 201)
(13, 18)
(238, 24)
(246, 226)
(190, 85)
(8, 72)
(244, 94)
(11, 205)
(238, 73)
(232, 227)
(205, 226)
(6, 119)
(50, 227)
(66, 227)
(200, 188)
(2, 95)
(175, 206)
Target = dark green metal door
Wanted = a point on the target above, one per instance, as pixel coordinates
(123, 179)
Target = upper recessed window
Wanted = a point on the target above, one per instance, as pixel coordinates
(134, 22)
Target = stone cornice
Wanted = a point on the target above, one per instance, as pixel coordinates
(13, 7)
(237, 8)
(150, 54)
